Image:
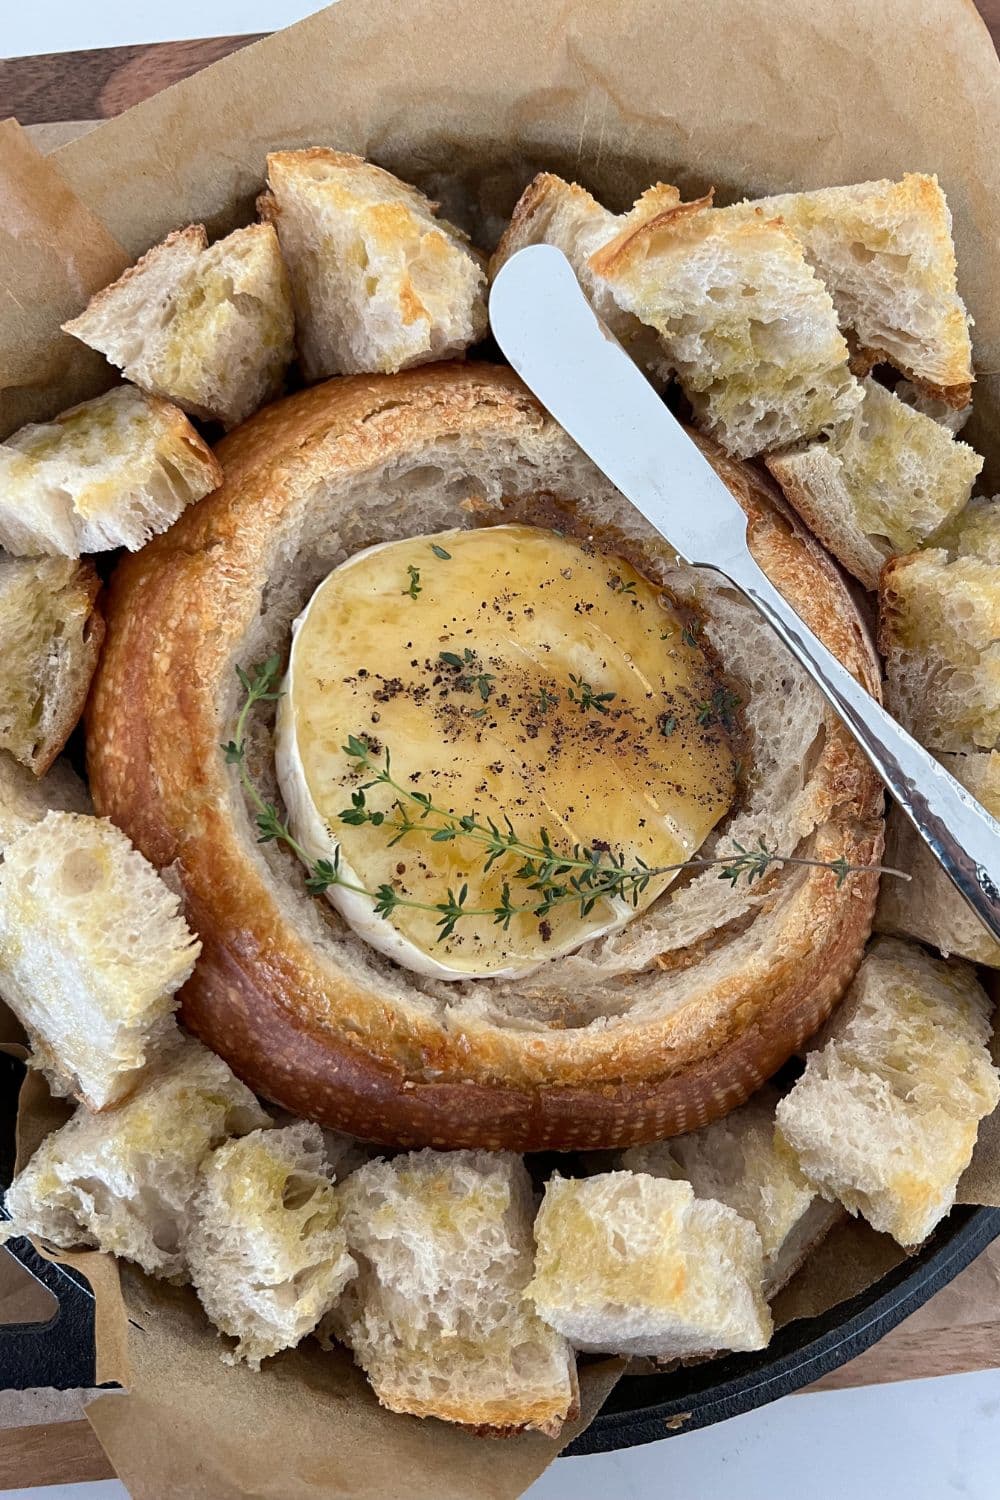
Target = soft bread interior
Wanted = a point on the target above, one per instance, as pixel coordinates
(687, 944)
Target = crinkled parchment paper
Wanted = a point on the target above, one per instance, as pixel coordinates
(469, 100)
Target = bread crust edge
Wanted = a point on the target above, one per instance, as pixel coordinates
(152, 737)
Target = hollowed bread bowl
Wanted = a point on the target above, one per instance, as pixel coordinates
(650, 1031)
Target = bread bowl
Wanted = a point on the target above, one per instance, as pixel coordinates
(656, 1029)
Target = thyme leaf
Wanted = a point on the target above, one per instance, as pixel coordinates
(550, 877)
(583, 694)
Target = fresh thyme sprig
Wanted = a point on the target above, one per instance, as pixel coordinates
(469, 678)
(413, 588)
(542, 861)
(720, 709)
(260, 686)
(550, 876)
(617, 583)
(582, 693)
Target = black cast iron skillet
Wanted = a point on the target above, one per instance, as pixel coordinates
(641, 1409)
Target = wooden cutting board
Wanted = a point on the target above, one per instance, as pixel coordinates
(61, 94)
(95, 85)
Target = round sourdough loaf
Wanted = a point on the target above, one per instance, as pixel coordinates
(650, 1031)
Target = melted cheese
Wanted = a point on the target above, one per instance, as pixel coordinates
(539, 625)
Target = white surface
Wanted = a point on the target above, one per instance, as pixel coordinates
(67, 25)
(916, 1440)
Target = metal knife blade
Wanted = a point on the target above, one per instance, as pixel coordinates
(582, 375)
(580, 372)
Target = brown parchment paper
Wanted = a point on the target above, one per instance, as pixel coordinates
(22, 1298)
(38, 1114)
(54, 253)
(469, 100)
(307, 1426)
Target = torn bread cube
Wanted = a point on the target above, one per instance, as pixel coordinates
(881, 484)
(93, 949)
(208, 327)
(974, 532)
(553, 212)
(26, 798)
(266, 1250)
(437, 1316)
(927, 906)
(123, 1181)
(52, 631)
(742, 318)
(886, 253)
(627, 1263)
(886, 1114)
(939, 631)
(112, 472)
(379, 283)
(954, 418)
(737, 1161)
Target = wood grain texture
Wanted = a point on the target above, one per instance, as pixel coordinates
(90, 85)
(990, 12)
(67, 1453)
(915, 1354)
(103, 82)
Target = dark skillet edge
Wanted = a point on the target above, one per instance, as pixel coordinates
(61, 1353)
(641, 1409)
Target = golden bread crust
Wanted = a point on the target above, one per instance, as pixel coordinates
(658, 208)
(88, 586)
(343, 1047)
(192, 237)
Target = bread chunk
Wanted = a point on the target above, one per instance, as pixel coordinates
(553, 212)
(123, 1181)
(25, 798)
(52, 631)
(627, 1263)
(709, 985)
(974, 532)
(737, 1162)
(743, 320)
(379, 283)
(886, 253)
(208, 327)
(266, 1249)
(111, 472)
(881, 484)
(93, 948)
(437, 1317)
(886, 1114)
(939, 630)
(954, 418)
(928, 906)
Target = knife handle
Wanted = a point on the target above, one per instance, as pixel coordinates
(960, 833)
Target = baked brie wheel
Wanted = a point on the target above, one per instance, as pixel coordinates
(561, 678)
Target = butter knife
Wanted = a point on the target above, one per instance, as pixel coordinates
(578, 370)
